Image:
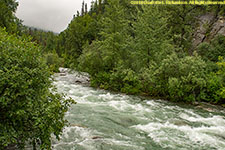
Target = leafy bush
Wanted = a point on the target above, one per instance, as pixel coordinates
(126, 81)
(101, 80)
(216, 84)
(151, 83)
(213, 88)
(53, 61)
(91, 60)
(211, 51)
(179, 79)
(29, 111)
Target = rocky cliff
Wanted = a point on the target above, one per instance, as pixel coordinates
(210, 25)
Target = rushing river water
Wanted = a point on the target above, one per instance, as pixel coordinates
(102, 120)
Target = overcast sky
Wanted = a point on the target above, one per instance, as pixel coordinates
(53, 15)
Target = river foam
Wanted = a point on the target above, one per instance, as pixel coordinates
(115, 121)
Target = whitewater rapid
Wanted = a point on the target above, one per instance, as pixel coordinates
(103, 120)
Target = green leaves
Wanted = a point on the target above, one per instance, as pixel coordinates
(53, 61)
(211, 51)
(29, 111)
(107, 52)
(7, 17)
(151, 36)
(178, 79)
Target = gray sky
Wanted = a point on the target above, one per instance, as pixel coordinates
(53, 15)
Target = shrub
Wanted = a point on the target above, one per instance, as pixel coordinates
(188, 80)
(101, 80)
(211, 51)
(29, 111)
(125, 80)
(213, 88)
(216, 84)
(179, 79)
(53, 61)
(91, 60)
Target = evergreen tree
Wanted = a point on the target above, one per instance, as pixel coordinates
(182, 20)
(82, 9)
(109, 49)
(86, 9)
(151, 36)
(113, 34)
(77, 35)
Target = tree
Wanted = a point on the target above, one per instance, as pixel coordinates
(78, 35)
(109, 48)
(86, 9)
(113, 34)
(182, 20)
(7, 17)
(151, 36)
(82, 9)
(30, 112)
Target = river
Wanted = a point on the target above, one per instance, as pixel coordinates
(103, 120)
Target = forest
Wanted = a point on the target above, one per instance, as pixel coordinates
(148, 50)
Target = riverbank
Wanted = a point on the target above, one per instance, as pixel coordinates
(109, 120)
(85, 80)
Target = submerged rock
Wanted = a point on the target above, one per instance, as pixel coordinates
(96, 137)
(62, 74)
(179, 122)
(74, 76)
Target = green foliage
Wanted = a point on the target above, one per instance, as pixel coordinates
(45, 39)
(211, 51)
(53, 61)
(91, 60)
(107, 52)
(101, 80)
(127, 80)
(122, 80)
(216, 84)
(213, 88)
(7, 17)
(145, 49)
(29, 109)
(113, 35)
(78, 34)
(186, 77)
(182, 20)
(151, 36)
(179, 79)
(219, 83)
(81, 30)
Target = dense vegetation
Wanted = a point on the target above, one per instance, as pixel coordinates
(30, 110)
(143, 50)
(147, 50)
(7, 18)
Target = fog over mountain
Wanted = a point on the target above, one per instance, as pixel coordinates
(53, 15)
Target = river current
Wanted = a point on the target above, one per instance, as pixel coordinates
(103, 120)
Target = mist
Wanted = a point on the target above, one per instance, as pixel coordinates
(52, 15)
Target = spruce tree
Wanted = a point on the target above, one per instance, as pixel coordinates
(82, 9)
(182, 20)
(151, 36)
(113, 34)
(86, 9)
